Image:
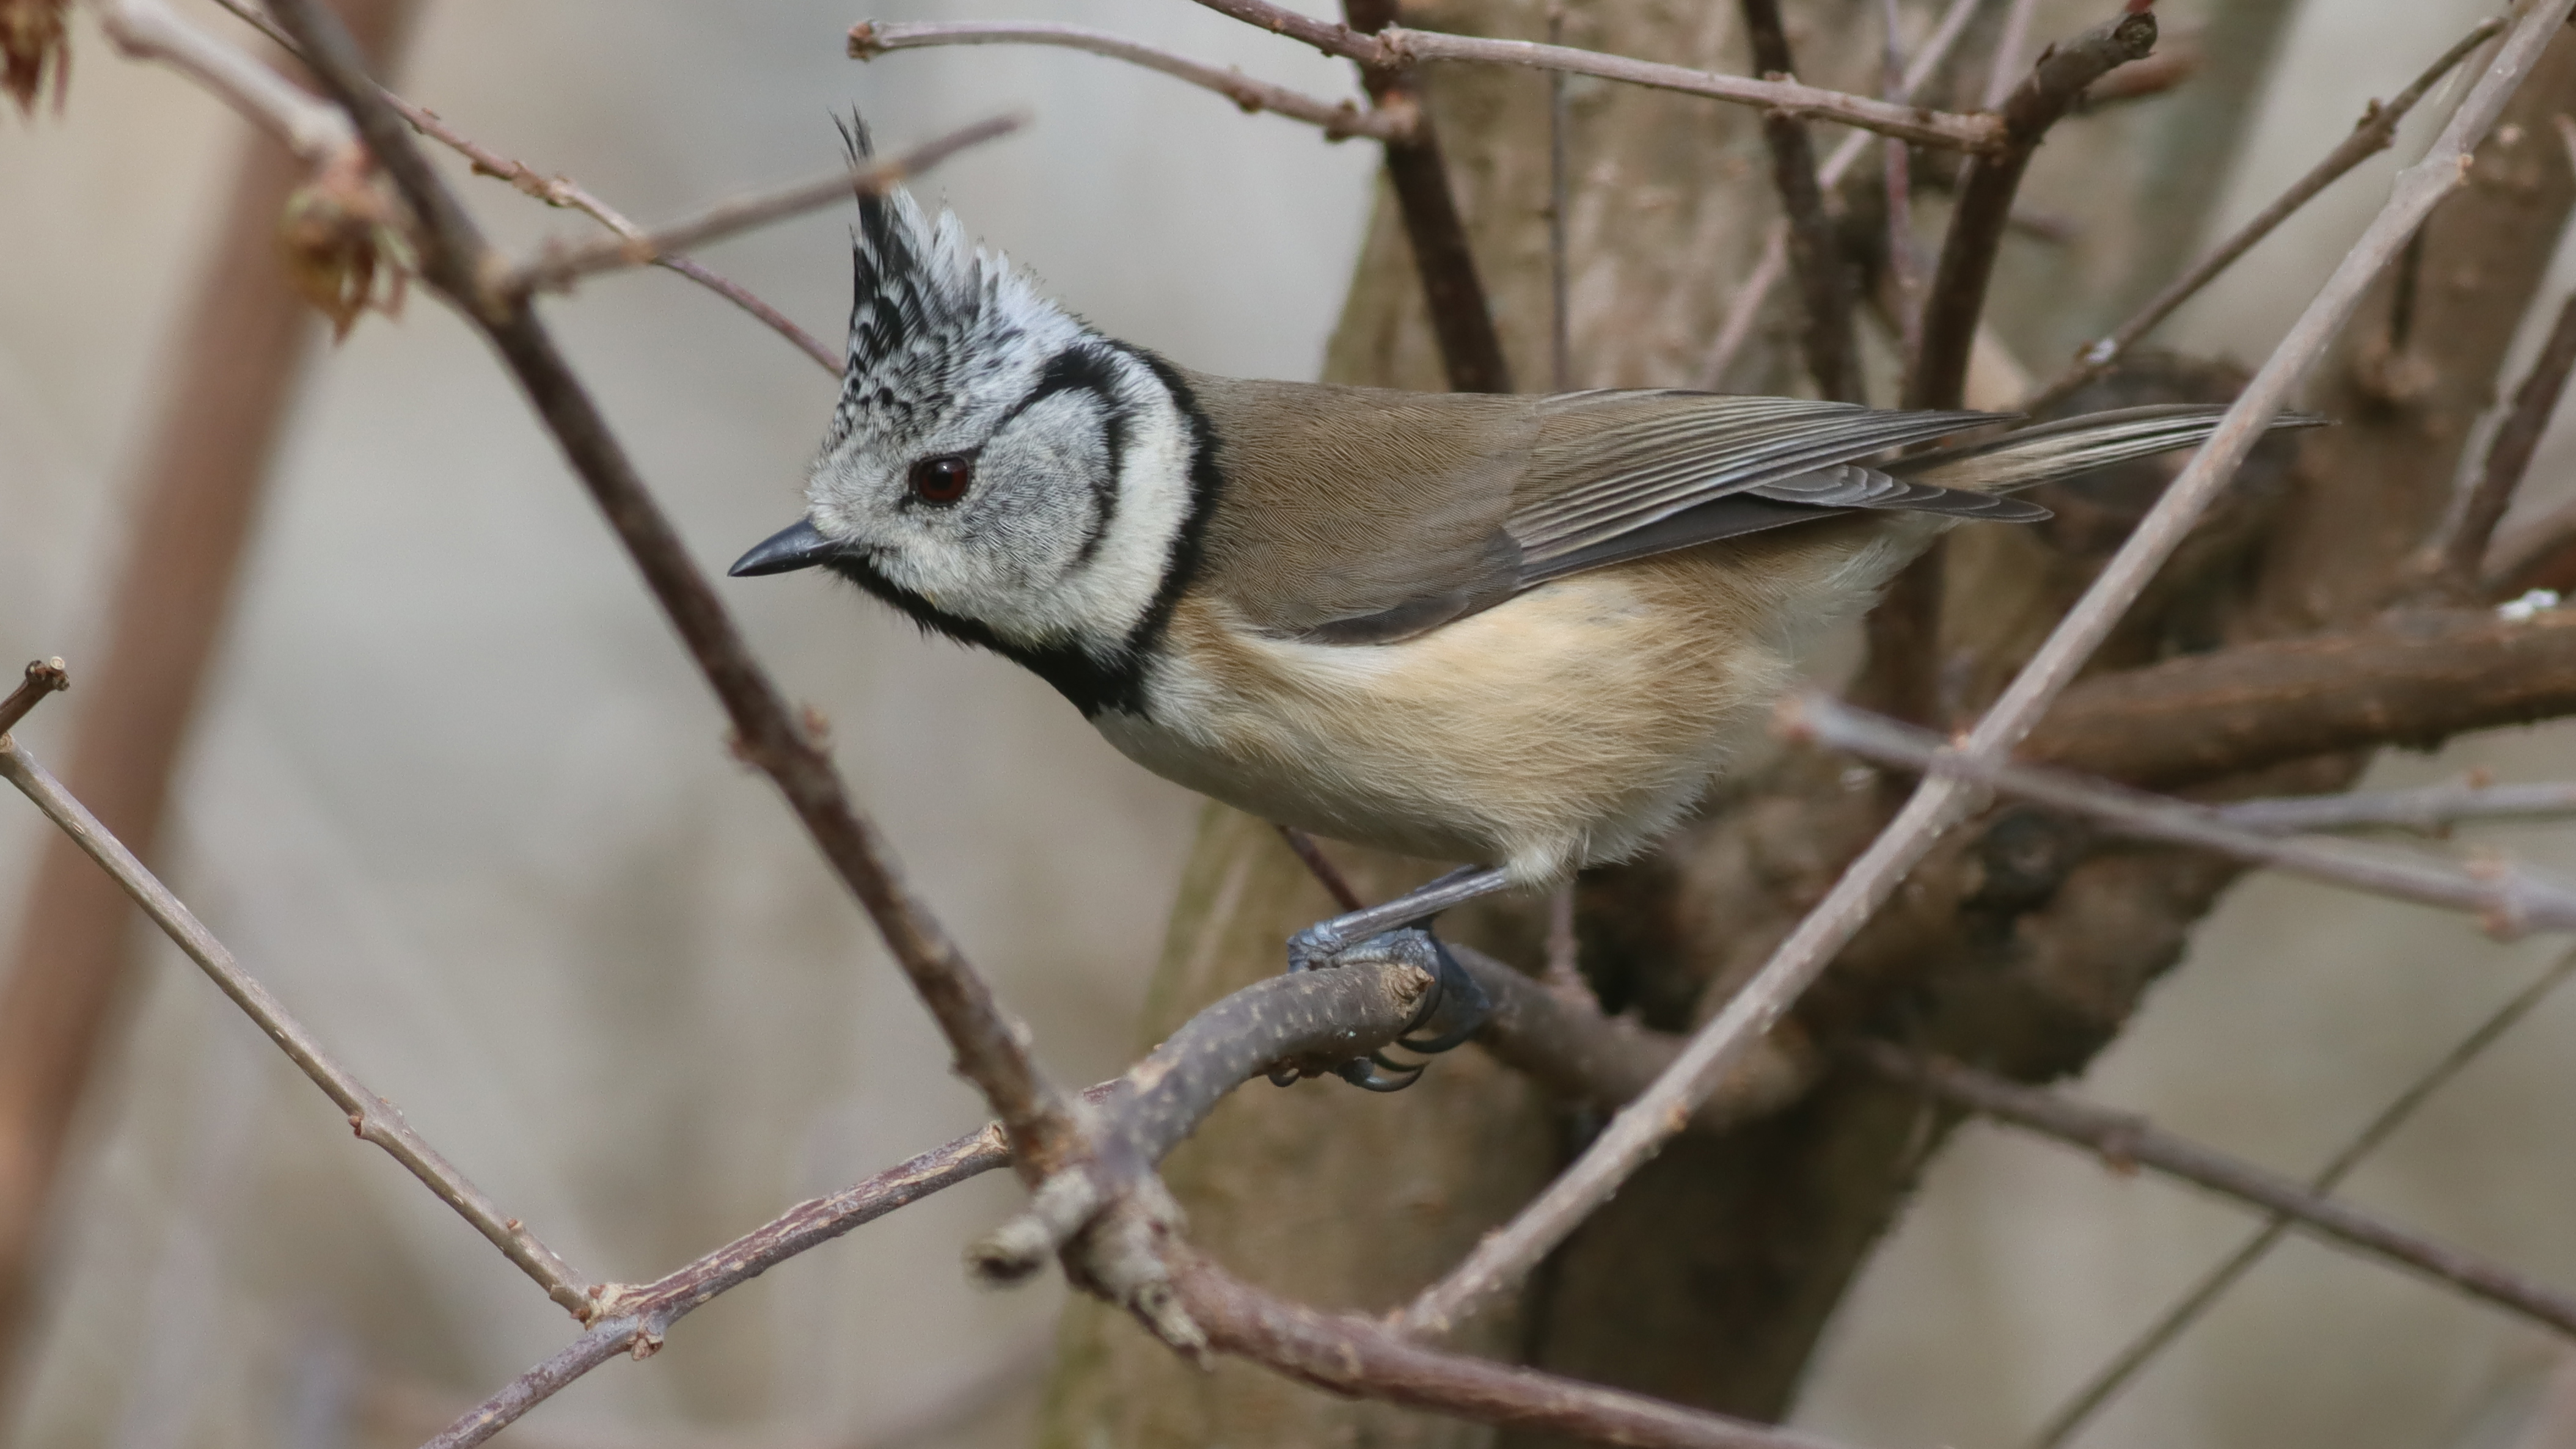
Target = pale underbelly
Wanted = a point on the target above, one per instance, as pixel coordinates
(1570, 726)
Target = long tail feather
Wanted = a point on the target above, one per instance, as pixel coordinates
(2057, 450)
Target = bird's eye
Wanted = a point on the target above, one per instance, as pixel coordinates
(941, 481)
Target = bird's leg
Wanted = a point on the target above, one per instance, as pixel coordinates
(1398, 931)
(1323, 943)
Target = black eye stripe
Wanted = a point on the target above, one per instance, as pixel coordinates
(1081, 368)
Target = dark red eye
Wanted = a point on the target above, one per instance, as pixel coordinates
(942, 480)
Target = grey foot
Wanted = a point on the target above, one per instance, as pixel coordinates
(1450, 1013)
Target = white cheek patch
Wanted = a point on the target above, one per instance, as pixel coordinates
(1107, 596)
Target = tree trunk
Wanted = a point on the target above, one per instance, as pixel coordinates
(2023, 944)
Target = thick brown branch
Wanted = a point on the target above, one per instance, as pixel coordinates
(1363, 1358)
(2410, 679)
(2123, 1139)
(1815, 249)
(1608, 1061)
(872, 38)
(228, 374)
(1310, 1021)
(1984, 211)
(1397, 48)
(991, 1048)
(1462, 318)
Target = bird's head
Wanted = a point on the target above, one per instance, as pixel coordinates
(994, 466)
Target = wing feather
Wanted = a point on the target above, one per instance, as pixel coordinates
(1596, 474)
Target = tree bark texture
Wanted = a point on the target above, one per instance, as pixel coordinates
(2022, 945)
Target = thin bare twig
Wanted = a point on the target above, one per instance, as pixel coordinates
(151, 30)
(2372, 135)
(558, 191)
(991, 1048)
(2509, 456)
(2430, 810)
(1632, 1137)
(1831, 346)
(2507, 900)
(1745, 307)
(2130, 1361)
(1326, 873)
(372, 1117)
(2124, 1139)
(634, 1318)
(559, 263)
(566, 194)
(43, 677)
(1339, 119)
(1453, 292)
(1397, 48)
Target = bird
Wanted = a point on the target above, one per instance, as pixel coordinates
(1522, 632)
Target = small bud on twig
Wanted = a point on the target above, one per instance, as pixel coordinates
(341, 236)
(33, 41)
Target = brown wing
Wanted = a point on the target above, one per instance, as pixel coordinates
(1362, 515)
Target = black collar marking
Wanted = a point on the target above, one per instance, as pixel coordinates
(1094, 683)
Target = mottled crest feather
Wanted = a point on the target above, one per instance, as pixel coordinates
(930, 312)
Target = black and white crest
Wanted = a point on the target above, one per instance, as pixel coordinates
(931, 313)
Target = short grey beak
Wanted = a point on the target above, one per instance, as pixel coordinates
(799, 546)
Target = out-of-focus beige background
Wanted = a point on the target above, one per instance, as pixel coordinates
(459, 800)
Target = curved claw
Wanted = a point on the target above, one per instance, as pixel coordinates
(1364, 1072)
(1474, 1007)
